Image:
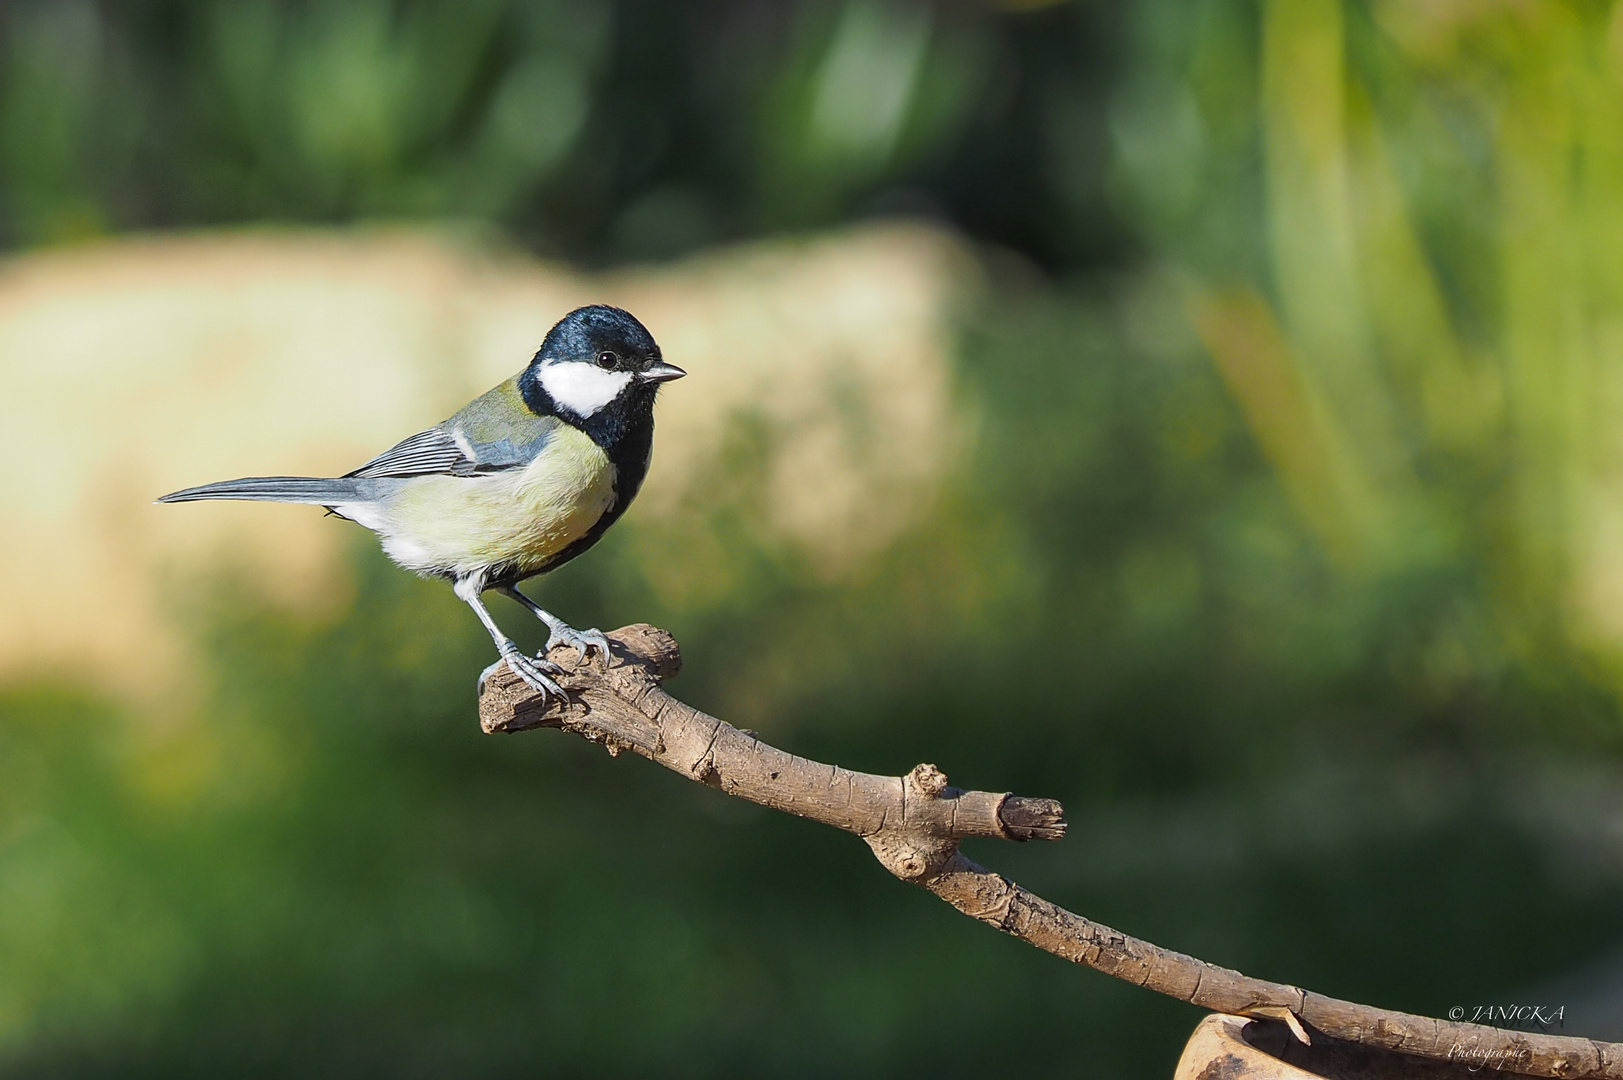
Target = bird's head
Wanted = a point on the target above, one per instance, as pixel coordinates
(599, 360)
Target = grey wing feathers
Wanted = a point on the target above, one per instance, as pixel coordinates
(451, 451)
(427, 452)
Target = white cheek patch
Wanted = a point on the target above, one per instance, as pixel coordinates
(583, 388)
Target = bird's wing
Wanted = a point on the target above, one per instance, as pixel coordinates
(493, 433)
(425, 453)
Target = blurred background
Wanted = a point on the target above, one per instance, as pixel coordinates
(1201, 412)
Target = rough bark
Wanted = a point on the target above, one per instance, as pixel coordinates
(914, 823)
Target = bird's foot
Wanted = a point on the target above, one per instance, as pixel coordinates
(561, 633)
(533, 670)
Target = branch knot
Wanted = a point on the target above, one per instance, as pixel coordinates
(927, 781)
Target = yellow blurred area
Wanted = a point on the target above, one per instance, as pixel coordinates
(140, 366)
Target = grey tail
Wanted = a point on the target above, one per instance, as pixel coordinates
(287, 489)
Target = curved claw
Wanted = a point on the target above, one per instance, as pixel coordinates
(532, 670)
(484, 676)
(579, 640)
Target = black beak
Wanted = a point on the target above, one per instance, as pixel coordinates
(663, 372)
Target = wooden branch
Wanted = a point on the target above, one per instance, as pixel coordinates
(914, 823)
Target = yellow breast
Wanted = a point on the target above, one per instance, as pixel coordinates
(521, 516)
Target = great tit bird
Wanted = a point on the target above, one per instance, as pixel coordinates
(523, 479)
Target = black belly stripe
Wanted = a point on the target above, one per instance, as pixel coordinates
(629, 454)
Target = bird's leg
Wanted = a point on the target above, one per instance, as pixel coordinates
(560, 632)
(532, 670)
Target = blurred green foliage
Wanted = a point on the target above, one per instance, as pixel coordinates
(598, 130)
(1281, 555)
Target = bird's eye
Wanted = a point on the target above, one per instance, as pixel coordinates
(607, 361)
